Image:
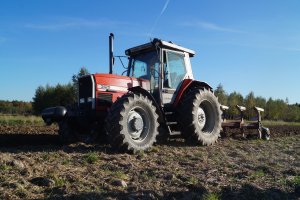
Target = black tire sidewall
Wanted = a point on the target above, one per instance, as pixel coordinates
(65, 133)
(187, 116)
(150, 115)
(116, 123)
(214, 134)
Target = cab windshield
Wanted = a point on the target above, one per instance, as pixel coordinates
(144, 65)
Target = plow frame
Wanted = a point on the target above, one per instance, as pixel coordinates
(263, 132)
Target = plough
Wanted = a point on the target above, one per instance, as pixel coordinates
(263, 132)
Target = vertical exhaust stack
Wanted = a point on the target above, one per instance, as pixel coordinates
(111, 53)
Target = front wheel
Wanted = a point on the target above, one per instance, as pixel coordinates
(132, 123)
(66, 132)
(199, 117)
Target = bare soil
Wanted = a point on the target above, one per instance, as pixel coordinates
(34, 165)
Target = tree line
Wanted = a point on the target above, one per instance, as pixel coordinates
(48, 96)
(275, 109)
(15, 107)
(61, 94)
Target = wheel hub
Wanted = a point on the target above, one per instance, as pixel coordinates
(201, 117)
(137, 124)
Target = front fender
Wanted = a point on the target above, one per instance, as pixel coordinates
(141, 90)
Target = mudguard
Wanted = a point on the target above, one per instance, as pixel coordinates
(146, 93)
(188, 84)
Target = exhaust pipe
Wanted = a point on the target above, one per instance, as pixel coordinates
(111, 53)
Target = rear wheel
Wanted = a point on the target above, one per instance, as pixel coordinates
(132, 123)
(199, 117)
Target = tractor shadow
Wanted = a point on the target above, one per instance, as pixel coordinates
(14, 140)
(14, 143)
(17, 142)
(247, 191)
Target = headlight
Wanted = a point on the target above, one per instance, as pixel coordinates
(90, 99)
(102, 87)
(99, 86)
(81, 100)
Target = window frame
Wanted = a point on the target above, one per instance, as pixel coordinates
(167, 62)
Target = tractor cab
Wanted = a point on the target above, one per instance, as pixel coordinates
(164, 64)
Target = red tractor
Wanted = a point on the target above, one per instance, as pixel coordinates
(154, 98)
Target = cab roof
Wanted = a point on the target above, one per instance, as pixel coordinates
(160, 43)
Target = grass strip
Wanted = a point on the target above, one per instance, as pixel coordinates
(20, 120)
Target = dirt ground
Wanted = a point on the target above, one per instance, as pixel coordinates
(34, 165)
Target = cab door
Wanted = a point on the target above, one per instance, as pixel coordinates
(173, 71)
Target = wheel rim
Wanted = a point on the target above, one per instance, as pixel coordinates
(206, 117)
(138, 123)
(201, 117)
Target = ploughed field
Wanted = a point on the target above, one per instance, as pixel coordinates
(34, 165)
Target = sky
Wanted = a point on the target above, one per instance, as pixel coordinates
(250, 45)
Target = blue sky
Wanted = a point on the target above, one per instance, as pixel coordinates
(251, 45)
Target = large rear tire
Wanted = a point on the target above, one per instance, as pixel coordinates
(199, 117)
(132, 123)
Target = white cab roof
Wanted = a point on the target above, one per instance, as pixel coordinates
(162, 44)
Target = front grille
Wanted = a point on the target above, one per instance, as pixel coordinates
(104, 98)
(86, 91)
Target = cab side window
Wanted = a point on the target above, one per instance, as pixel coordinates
(174, 69)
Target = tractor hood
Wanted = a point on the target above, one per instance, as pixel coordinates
(117, 83)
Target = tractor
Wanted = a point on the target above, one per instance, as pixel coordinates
(156, 97)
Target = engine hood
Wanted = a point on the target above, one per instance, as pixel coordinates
(117, 83)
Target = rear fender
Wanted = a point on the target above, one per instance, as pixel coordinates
(187, 85)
